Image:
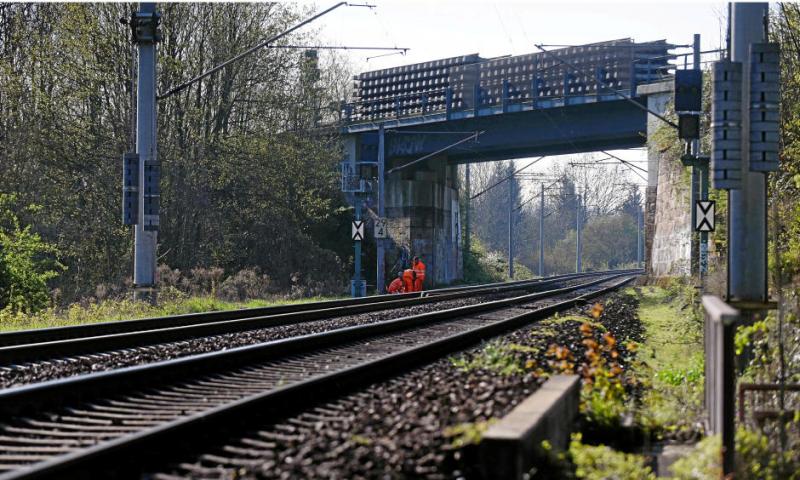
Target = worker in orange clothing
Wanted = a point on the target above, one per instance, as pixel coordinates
(397, 285)
(419, 270)
(408, 280)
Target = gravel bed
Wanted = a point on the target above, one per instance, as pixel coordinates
(417, 425)
(33, 372)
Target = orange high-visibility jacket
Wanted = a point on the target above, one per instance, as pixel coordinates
(408, 279)
(396, 286)
(419, 269)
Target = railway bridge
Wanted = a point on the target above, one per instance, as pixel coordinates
(410, 126)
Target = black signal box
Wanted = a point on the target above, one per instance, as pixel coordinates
(688, 127)
(688, 90)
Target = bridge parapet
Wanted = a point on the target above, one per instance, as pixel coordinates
(469, 83)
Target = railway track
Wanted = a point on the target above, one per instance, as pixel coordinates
(31, 356)
(47, 335)
(116, 423)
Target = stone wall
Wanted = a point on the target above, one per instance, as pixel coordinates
(668, 232)
(671, 244)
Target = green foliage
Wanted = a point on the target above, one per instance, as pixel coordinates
(785, 184)
(603, 397)
(748, 335)
(599, 462)
(497, 356)
(700, 464)
(465, 434)
(249, 180)
(27, 262)
(173, 303)
(482, 266)
(676, 377)
(670, 361)
(755, 459)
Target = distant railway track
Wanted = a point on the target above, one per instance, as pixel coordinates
(52, 343)
(116, 423)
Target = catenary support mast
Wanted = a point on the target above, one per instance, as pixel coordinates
(144, 25)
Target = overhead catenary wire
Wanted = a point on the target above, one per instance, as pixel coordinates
(255, 48)
(629, 165)
(505, 178)
(535, 196)
(334, 47)
(403, 52)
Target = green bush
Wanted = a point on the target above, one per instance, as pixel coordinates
(599, 462)
(487, 266)
(482, 266)
(26, 262)
(755, 459)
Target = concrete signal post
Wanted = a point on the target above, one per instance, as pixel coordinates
(746, 94)
(144, 164)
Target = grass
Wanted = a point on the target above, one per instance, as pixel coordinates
(673, 335)
(115, 310)
(497, 356)
(670, 361)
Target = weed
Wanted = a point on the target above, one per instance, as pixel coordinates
(754, 459)
(173, 303)
(599, 462)
(496, 356)
(465, 434)
(360, 440)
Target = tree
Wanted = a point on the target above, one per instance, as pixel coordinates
(248, 169)
(26, 262)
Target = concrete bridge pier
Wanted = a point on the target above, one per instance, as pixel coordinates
(422, 211)
(421, 208)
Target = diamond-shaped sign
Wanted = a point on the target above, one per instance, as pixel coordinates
(358, 230)
(704, 216)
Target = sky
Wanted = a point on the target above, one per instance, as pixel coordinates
(444, 28)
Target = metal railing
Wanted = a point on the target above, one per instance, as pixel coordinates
(763, 405)
(720, 376)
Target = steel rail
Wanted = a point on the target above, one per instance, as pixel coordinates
(33, 396)
(40, 335)
(122, 452)
(136, 333)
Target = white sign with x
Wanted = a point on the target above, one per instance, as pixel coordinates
(704, 216)
(358, 230)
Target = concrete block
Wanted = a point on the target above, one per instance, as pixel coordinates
(508, 449)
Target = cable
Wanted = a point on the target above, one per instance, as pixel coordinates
(332, 47)
(535, 196)
(506, 178)
(367, 59)
(624, 161)
(503, 24)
